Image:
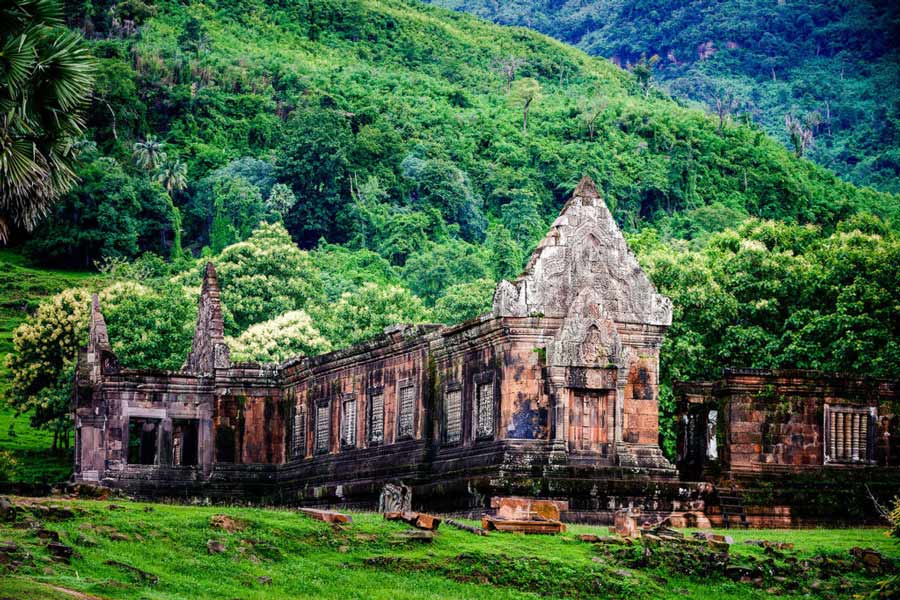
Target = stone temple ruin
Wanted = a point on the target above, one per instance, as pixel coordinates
(552, 394)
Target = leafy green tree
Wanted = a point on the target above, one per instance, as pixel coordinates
(505, 253)
(204, 204)
(442, 185)
(238, 209)
(153, 327)
(343, 270)
(365, 312)
(521, 216)
(172, 176)
(276, 340)
(431, 271)
(108, 214)
(281, 200)
(314, 161)
(463, 301)
(265, 276)
(45, 83)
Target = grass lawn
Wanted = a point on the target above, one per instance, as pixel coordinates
(281, 554)
(21, 289)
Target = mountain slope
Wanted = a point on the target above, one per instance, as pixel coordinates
(832, 63)
(413, 100)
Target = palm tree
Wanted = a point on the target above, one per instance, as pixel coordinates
(46, 75)
(149, 154)
(173, 176)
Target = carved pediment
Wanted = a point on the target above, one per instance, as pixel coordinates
(588, 336)
(584, 250)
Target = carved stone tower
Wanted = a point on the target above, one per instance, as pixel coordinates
(603, 364)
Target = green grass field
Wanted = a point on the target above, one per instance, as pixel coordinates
(21, 289)
(281, 554)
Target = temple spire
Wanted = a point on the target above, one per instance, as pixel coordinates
(584, 250)
(100, 357)
(208, 351)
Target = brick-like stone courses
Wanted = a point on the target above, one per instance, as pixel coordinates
(775, 420)
(554, 392)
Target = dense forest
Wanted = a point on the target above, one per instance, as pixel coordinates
(821, 76)
(349, 164)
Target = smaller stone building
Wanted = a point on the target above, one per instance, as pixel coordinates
(800, 444)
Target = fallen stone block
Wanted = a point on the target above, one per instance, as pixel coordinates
(523, 509)
(688, 519)
(625, 523)
(61, 551)
(522, 526)
(873, 560)
(327, 516)
(413, 535)
(419, 520)
(716, 537)
(143, 575)
(215, 547)
(47, 534)
(7, 509)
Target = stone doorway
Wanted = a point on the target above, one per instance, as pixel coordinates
(590, 416)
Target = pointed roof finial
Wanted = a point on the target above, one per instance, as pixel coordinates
(586, 188)
(98, 334)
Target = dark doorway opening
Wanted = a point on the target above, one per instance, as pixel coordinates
(143, 440)
(225, 444)
(185, 442)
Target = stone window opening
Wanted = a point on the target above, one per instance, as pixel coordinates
(323, 427)
(185, 442)
(375, 420)
(406, 400)
(453, 415)
(143, 441)
(348, 425)
(484, 406)
(849, 434)
(712, 444)
(298, 446)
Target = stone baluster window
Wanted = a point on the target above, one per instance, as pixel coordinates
(453, 416)
(323, 427)
(348, 426)
(407, 404)
(849, 434)
(376, 416)
(484, 404)
(299, 439)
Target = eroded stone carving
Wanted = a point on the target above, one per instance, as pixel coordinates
(588, 337)
(208, 350)
(584, 249)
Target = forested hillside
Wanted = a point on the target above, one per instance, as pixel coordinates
(350, 164)
(821, 76)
